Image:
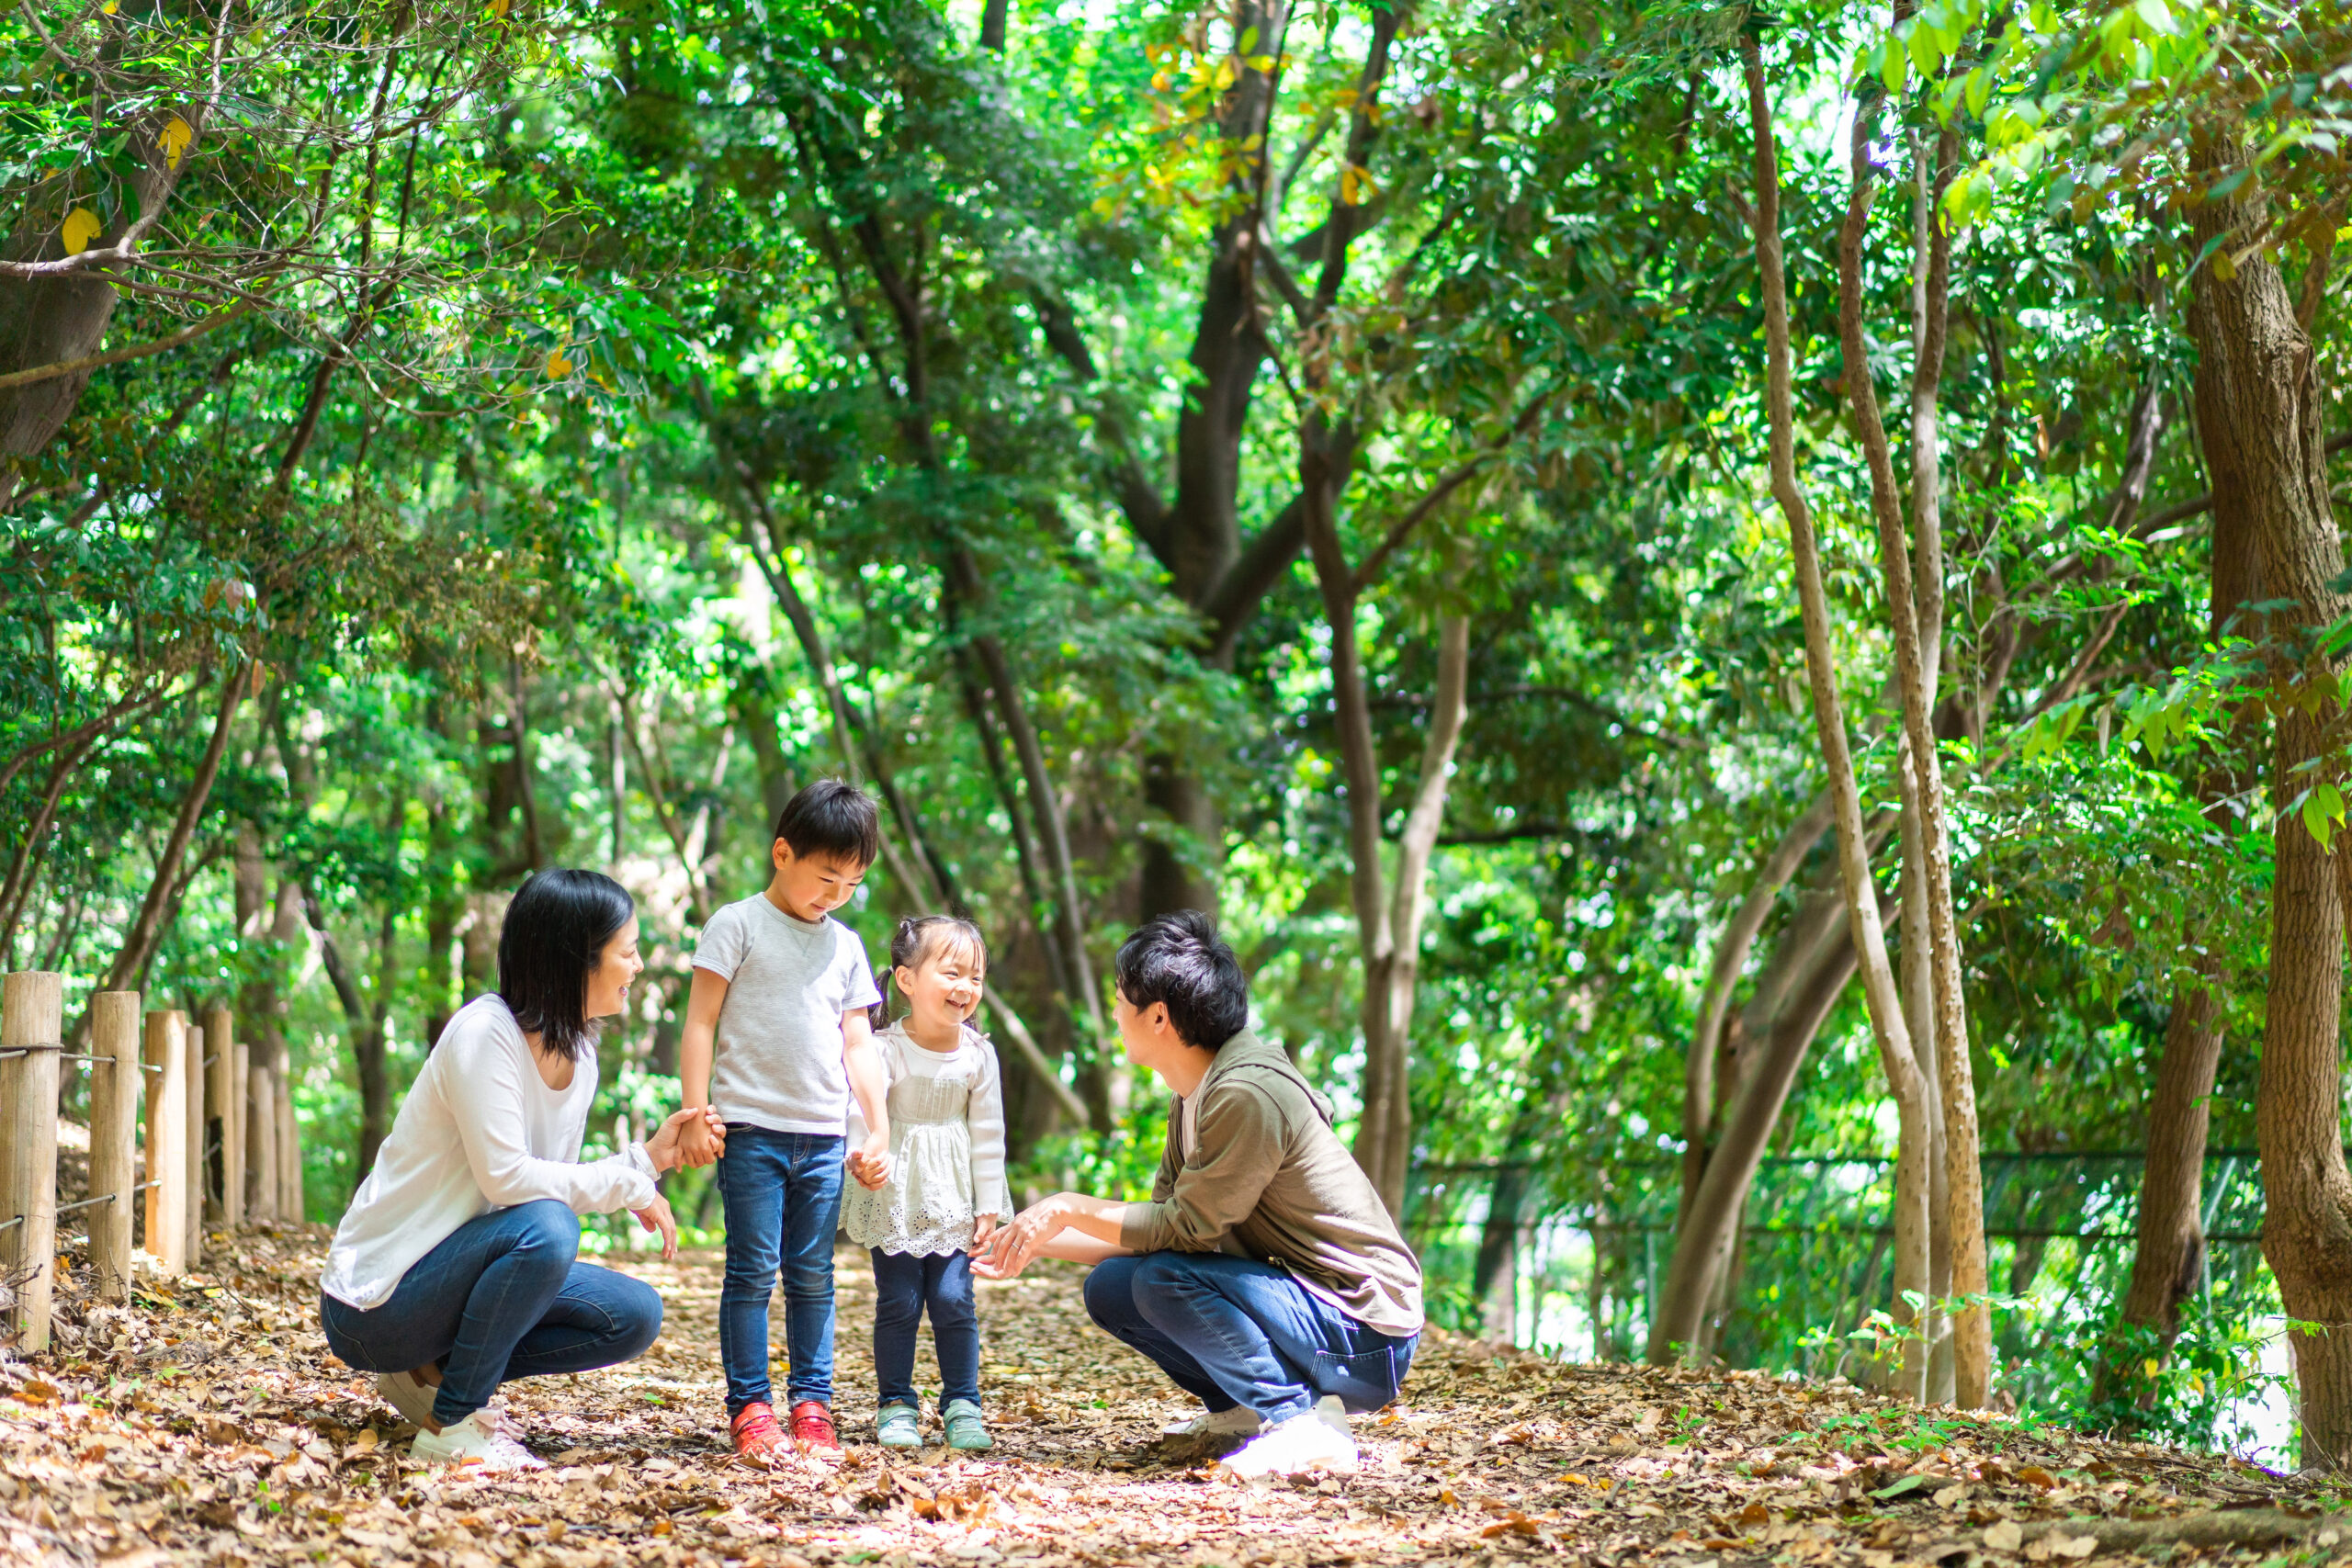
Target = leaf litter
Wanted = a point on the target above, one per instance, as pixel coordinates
(204, 1421)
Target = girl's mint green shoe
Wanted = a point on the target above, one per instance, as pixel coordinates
(964, 1428)
(899, 1426)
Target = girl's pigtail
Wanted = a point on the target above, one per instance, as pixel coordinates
(906, 946)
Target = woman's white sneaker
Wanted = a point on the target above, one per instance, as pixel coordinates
(409, 1394)
(1306, 1442)
(1238, 1420)
(479, 1442)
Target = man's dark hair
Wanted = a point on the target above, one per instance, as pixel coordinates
(554, 933)
(833, 817)
(1177, 959)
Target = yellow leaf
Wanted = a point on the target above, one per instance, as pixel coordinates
(557, 366)
(177, 134)
(498, 7)
(81, 227)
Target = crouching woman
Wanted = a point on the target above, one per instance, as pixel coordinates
(456, 1269)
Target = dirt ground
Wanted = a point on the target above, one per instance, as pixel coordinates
(205, 1422)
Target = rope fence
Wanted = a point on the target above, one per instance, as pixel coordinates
(212, 1133)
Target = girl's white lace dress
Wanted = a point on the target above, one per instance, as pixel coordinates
(947, 1149)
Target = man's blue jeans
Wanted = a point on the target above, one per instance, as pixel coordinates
(1234, 1331)
(504, 1297)
(783, 1192)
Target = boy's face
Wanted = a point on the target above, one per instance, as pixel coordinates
(812, 886)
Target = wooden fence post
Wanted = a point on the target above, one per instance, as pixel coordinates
(197, 1162)
(114, 1116)
(228, 1109)
(238, 1072)
(32, 1023)
(218, 1117)
(290, 1152)
(168, 1141)
(261, 1148)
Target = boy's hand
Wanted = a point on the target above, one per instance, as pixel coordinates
(871, 1163)
(695, 1137)
(982, 1224)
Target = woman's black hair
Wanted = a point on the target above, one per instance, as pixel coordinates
(914, 940)
(1178, 958)
(555, 932)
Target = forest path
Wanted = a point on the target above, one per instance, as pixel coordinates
(206, 1423)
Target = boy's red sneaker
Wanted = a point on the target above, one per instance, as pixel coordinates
(812, 1427)
(756, 1433)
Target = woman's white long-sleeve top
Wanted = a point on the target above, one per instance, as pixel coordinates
(480, 1131)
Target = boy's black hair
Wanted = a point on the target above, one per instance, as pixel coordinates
(554, 933)
(833, 817)
(1177, 959)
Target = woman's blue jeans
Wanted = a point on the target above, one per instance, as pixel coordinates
(903, 1286)
(504, 1297)
(783, 1194)
(1234, 1331)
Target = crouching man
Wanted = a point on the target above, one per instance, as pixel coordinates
(1264, 1276)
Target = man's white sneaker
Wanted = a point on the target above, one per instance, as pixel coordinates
(1334, 1414)
(479, 1442)
(1237, 1420)
(409, 1394)
(1303, 1443)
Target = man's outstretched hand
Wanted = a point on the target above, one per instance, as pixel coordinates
(1009, 1250)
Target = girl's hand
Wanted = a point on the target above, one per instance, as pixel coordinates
(656, 1216)
(981, 1225)
(870, 1163)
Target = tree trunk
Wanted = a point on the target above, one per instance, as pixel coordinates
(1972, 1322)
(1389, 937)
(1732, 948)
(146, 930)
(2258, 412)
(1701, 1243)
(2170, 1256)
(1494, 1276)
(46, 321)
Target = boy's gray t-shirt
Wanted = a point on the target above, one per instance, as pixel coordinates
(777, 1061)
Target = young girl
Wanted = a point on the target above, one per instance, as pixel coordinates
(946, 1190)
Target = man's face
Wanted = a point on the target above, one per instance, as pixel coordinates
(1144, 1032)
(812, 886)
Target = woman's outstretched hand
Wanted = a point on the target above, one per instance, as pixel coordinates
(656, 1216)
(695, 1137)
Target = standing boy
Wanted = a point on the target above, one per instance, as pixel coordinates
(779, 1001)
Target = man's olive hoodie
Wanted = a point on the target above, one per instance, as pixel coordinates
(1266, 1168)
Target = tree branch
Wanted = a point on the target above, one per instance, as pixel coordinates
(122, 355)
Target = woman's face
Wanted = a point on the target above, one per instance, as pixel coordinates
(616, 967)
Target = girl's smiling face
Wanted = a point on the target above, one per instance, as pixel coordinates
(942, 988)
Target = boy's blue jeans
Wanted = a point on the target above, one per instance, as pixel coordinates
(783, 1195)
(1234, 1331)
(503, 1297)
(902, 1287)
